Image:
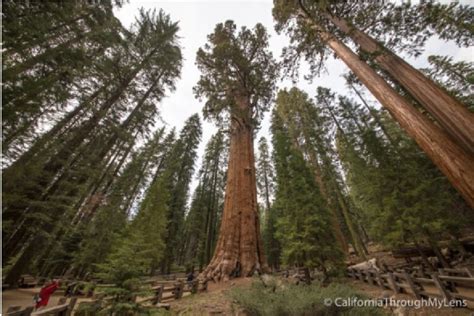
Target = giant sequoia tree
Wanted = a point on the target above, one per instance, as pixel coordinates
(238, 75)
(313, 38)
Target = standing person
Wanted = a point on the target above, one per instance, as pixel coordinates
(45, 293)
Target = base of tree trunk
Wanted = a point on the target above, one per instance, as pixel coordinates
(239, 250)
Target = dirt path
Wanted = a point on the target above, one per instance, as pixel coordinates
(213, 302)
(24, 298)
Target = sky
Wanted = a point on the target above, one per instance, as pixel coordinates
(197, 19)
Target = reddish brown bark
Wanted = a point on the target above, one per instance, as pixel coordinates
(455, 163)
(452, 116)
(239, 247)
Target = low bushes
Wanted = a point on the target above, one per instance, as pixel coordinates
(277, 298)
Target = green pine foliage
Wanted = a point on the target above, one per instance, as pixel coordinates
(402, 195)
(62, 174)
(203, 218)
(266, 190)
(303, 225)
(456, 77)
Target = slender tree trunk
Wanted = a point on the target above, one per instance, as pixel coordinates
(239, 247)
(447, 111)
(267, 193)
(336, 225)
(356, 239)
(212, 214)
(452, 160)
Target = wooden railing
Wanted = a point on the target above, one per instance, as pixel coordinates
(165, 291)
(63, 308)
(446, 284)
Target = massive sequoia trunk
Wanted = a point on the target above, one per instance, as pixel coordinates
(239, 249)
(454, 162)
(446, 110)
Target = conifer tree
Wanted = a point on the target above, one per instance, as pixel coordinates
(456, 77)
(177, 176)
(303, 225)
(312, 39)
(206, 206)
(264, 175)
(401, 194)
(266, 188)
(49, 183)
(238, 75)
(310, 132)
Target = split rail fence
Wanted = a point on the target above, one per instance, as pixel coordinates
(64, 308)
(448, 284)
(163, 293)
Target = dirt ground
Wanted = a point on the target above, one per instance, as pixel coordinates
(24, 298)
(214, 302)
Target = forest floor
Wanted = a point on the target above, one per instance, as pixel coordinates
(214, 302)
(24, 298)
(217, 302)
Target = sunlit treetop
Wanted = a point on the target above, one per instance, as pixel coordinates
(235, 65)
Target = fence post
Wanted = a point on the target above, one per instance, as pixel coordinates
(195, 286)
(178, 290)
(392, 283)
(411, 284)
(379, 279)
(441, 287)
(370, 280)
(468, 272)
(158, 295)
(69, 309)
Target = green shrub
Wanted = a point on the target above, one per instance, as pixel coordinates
(287, 299)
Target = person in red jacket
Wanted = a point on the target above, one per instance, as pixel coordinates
(45, 293)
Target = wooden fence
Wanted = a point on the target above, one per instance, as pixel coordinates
(166, 291)
(63, 308)
(163, 292)
(446, 284)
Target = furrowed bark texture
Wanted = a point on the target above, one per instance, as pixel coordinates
(239, 249)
